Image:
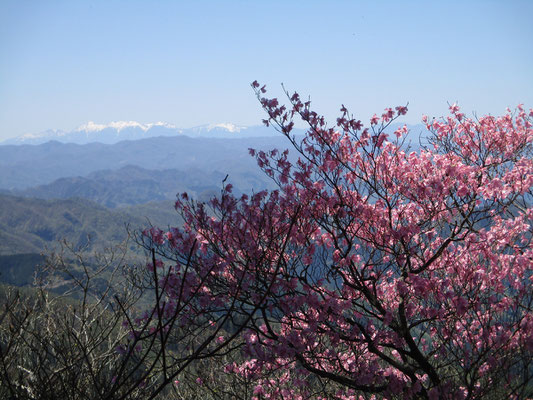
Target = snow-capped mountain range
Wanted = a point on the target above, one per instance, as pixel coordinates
(117, 131)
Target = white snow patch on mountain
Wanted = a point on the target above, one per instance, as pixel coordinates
(227, 126)
(116, 131)
(120, 125)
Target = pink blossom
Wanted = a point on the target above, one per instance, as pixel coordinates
(376, 265)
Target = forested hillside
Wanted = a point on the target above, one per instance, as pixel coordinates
(33, 225)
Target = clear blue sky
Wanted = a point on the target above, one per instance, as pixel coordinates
(64, 63)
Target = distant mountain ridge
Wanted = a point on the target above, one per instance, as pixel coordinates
(118, 131)
(131, 185)
(115, 132)
(25, 166)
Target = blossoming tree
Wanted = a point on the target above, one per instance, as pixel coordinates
(386, 272)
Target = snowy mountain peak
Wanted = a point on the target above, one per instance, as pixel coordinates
(120, 125)
(117, 131)
(226, 126)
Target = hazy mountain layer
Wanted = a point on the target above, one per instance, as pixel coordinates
(135, 185)
(25, 166)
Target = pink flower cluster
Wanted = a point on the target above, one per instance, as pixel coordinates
(379, 270)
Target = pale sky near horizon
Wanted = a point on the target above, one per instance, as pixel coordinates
(64, 63)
